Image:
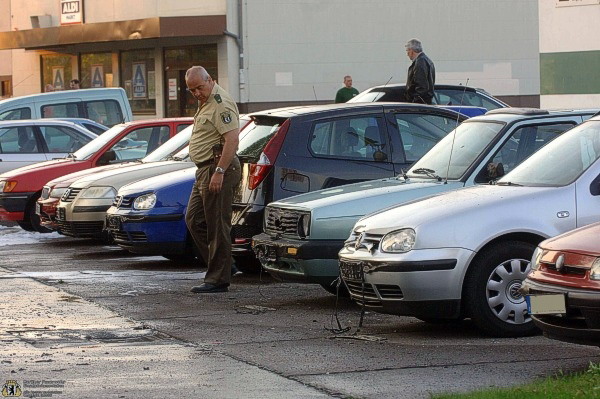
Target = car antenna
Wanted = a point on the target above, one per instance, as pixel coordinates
(454, 137)
(314, 91)
(386, 83)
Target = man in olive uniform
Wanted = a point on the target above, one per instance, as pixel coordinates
(213, 145)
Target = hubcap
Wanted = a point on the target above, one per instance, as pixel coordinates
(502, 291)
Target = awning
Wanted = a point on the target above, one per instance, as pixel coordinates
(149, 28)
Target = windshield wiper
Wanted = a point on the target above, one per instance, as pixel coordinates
(403, 174)
(508, 183)
(428, 172)
(70, 156)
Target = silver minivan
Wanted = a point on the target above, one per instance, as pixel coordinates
(108, 106)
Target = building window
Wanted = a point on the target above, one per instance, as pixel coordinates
(56, 72)
(137, 78)
(5, 87)
(96, 70)
(177, 62)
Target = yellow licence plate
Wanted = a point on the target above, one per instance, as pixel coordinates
(546, 304)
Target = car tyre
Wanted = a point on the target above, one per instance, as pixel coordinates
(248, 264)
(32, 219)
(492, 296)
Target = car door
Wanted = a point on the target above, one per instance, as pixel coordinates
(59, 141)
(587, 186)
(19, 146)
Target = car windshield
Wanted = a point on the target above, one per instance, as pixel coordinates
(460, 148)
(256, 135)
(171, 146)
(561, 161)
(93, 146)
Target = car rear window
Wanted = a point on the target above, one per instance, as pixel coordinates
(256, 135)
(393, 94)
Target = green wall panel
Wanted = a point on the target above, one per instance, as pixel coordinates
(570, 73)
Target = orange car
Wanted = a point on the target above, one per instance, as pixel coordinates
(563, 288)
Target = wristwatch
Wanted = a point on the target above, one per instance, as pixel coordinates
(220, 170)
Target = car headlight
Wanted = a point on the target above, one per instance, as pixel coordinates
(98, 192)
(6, 186)
(146, 201)
(304, 225)
(399, 241)
(57, 192)
(595, 272)
(536, 258)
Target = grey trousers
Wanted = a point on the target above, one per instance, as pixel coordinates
(208, 219)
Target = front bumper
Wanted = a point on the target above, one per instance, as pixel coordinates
(301, 261)
(46, 209)
(13, 205)
(82, 218)
(163, 233)
(581, 324)
(246, 223)
(422, 283)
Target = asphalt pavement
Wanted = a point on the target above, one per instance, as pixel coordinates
(88, 320)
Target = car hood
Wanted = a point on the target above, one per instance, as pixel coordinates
(469, 217)
(37, 167)
(358, 199)
(118, 177)
(66, 180)
(583, 241)
(164, 181)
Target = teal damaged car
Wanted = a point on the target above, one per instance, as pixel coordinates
(303, 234)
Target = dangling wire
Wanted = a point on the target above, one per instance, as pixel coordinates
(339, 329)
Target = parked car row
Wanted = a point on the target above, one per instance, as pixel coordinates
(409, 209)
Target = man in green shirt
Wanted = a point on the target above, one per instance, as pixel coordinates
(347, 92)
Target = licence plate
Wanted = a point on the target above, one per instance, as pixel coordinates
(546, 304)
(38, 208)
(351, 271)
(61, 214)
(113, 223)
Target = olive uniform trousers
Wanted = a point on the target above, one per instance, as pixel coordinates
(208, 219)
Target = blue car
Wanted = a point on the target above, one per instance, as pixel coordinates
(284, 152)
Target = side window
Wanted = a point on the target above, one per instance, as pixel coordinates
(420, 132)
(160, 135)
(94, 129)
(14, 114)
(358, 138)
(134, 145)
(62, 139)
(525, 141)
(182, 126)
(18, 140)
(458, 97)
(106, 112)
(69, 110)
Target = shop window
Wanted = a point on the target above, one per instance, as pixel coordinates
(56, 72)
(95, 70)
(137, 78)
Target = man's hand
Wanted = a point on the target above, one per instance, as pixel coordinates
(216, 182)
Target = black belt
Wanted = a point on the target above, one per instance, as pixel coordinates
(204, 163)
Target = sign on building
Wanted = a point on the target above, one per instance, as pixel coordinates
(567, 3)
(97, 76)
(58, 78)
(71, 12)
(139, 80)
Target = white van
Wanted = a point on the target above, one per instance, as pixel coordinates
(108, 106)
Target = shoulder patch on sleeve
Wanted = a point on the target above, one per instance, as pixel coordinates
(226, 117)
(218, 98)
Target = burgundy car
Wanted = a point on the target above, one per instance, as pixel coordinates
(563, 288)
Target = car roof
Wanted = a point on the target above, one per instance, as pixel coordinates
(289, 112)
(47, 121)
(512, 114)
(57, 94)
(158, 120)
(436, 86)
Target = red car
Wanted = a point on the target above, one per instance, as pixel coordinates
(563, 288)
(20, 188)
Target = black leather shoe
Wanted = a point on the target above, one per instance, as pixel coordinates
(208, 288)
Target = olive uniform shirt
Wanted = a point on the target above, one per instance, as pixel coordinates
(218, 115)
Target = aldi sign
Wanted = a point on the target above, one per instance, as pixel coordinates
(71, 12)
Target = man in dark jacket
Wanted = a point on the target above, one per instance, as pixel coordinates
(421, 74)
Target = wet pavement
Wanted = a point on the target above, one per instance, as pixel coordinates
(96, 322)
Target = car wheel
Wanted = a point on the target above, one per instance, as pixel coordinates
(247, 264)
(32, 218)
(492, 296)
(25, 225)
(333, 289)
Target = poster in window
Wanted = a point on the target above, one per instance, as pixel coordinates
(151, 85)
(97, 75)
(172, 89)
(139, 80)
(58, 78)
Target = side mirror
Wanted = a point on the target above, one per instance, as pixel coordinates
(107, 157)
